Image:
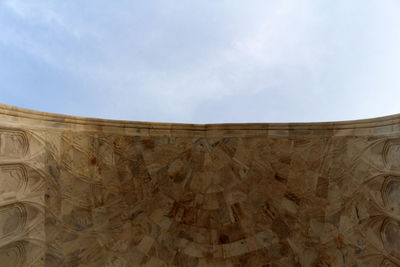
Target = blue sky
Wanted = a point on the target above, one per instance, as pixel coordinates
(202, 61)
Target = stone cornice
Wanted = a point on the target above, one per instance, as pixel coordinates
(386, 125)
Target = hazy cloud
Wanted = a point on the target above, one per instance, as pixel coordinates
(202, 61)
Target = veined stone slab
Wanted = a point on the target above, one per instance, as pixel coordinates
(90, 192)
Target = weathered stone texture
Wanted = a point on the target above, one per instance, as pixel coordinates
(90, 192)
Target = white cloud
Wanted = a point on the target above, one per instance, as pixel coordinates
(41, 12)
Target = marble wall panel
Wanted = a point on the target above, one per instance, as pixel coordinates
(87, 192)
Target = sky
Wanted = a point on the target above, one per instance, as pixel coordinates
(202, 61)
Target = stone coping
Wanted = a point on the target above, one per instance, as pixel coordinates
(387, 125)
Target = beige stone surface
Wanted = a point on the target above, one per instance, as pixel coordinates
(90, 192)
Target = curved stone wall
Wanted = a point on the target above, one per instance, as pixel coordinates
(91, 192)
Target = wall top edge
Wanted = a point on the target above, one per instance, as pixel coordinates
(29, 117)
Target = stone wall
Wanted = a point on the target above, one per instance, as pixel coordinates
(91, 192)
